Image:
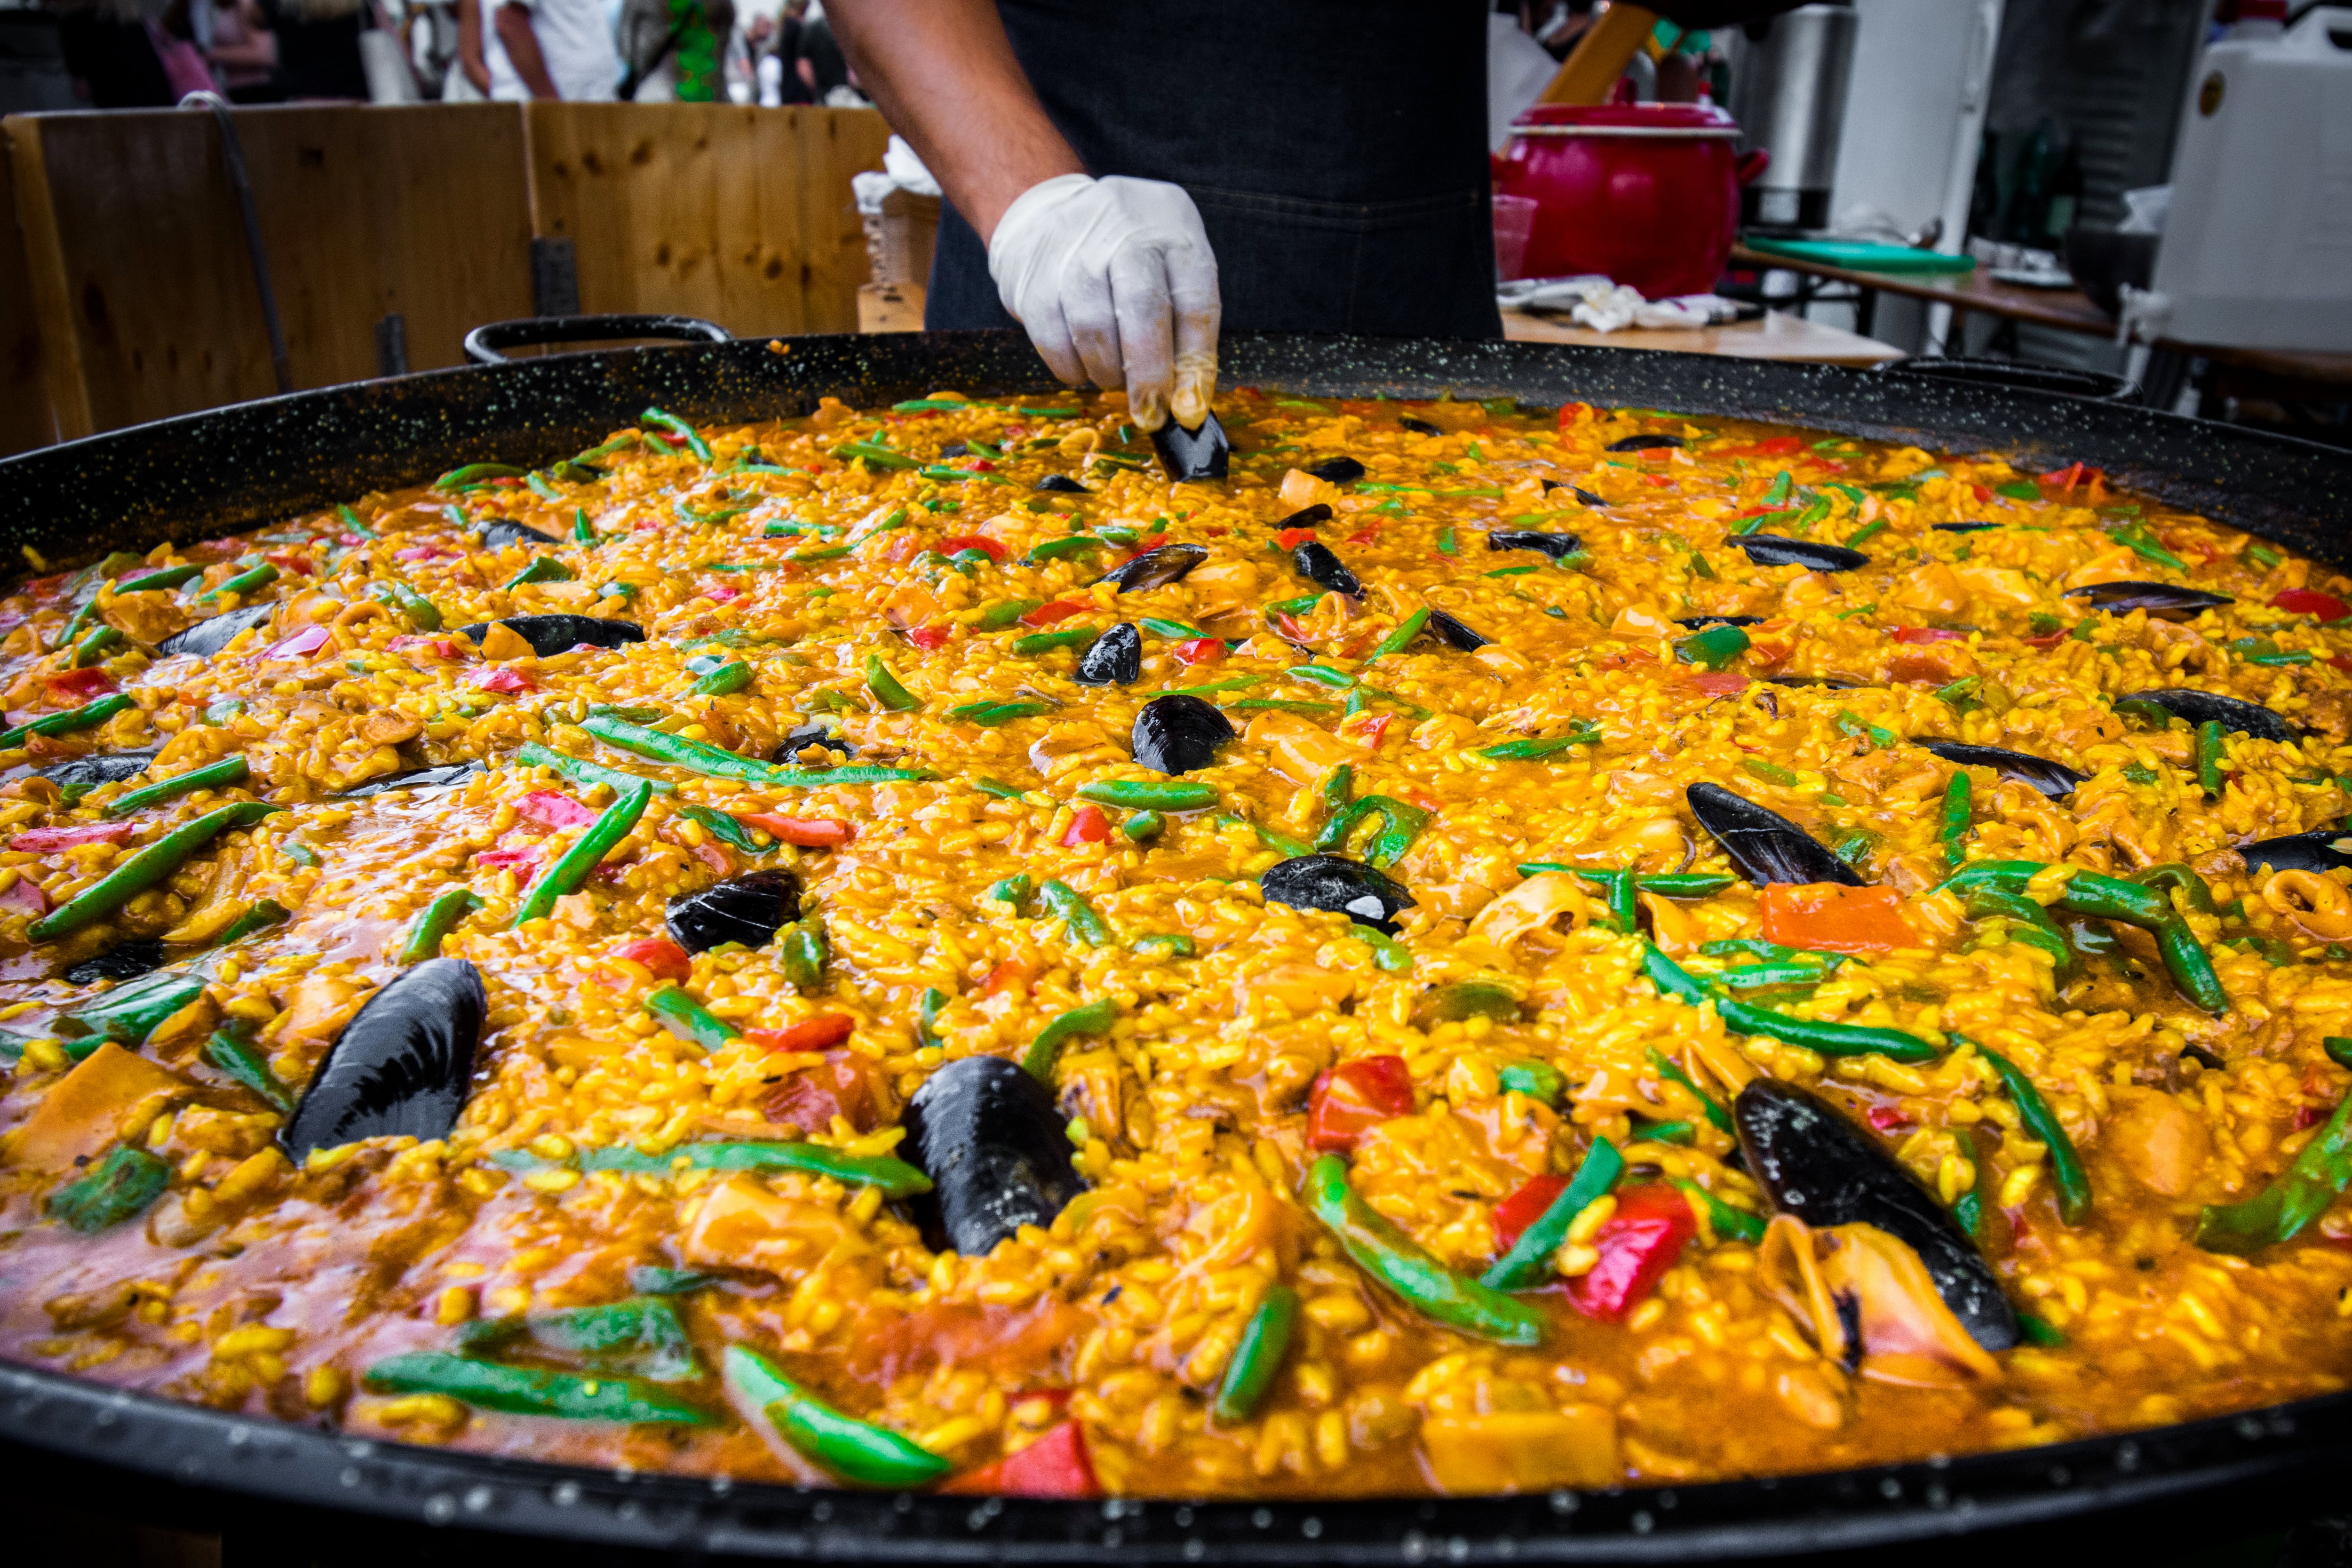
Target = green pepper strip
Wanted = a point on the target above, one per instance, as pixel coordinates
(803, 950)
(2173, 876)
(1150, 794)
(1528, 751)
(240, 1062)
(1093, 1019)
(1746, 1018)
(698, 756)
(542, 569)
(1066, 902)
(2208, 757)
(1665, 884)
(129, 1014)
(227, 770)
(1389, 953)
(1672, 1070)
(1265, 1341)
(1957, 804)
(1400, 826)
(525, 1390)
(165, 577)
(729, 677)
(2065, 1166)
(1540, 1081)
(1617, 889)
(420, 610)
(2339, 1050)
(1529, 1262)
(688, 1019)
(86, 716)
(679, 427)
(847, 1448)
(996, 617)
(1407, 629)
(1165, 945)
(436, 921)
(260, 914)
(259, 576)
(2034, 925)
(2113, 898)
(153, 864)
(1712, 649)
(894, 1177)
(472, 472)
(721, 825)
(1013, 889)
(573, 867)
(1282, 844)
(1143, 826)
(1399, 1262)
(1730, 1224)
(886, 687)
(2301, 1193)
(120, 1188)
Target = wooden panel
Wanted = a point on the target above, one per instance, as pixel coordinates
(421, 209)
(743, 216)
(24, 418)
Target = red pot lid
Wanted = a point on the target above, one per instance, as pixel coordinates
(1631, 116)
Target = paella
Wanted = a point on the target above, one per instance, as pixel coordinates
(1373, 948)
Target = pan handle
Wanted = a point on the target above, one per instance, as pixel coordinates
(2014, 375)
(483, 343)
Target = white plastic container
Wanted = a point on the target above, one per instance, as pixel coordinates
(2258, 247)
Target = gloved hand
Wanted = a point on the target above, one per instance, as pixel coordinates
(1115, 283)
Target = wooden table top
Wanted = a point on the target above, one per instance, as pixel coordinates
(1776, 336)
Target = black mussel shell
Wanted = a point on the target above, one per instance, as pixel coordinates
(2325, 849)
(1585, 497)
(501, 534)
(1156, 568)
(1765, 847)
(1189, 455)
(2054, 779)
(1815, 1163)
(955, 449)
(1176, 734)
(1694, 622)
(2235, 714)
(1418, 426)
(997, 1150)
(1314, 562)
(400, 1067)
(1306, 517)
(1338, 470)
(746, 909)
(206, 638)
(1340, 885)
(1641, 443)
(107, 768)
(1454, 634)
(2156, 598)
(1114, 658)
(1963, 527)
(1813, 682)
(440, 777)
(1771, 550)
(1062, 483)
(1555, 545)
(127, 962)
(552, 635)
(789, 749)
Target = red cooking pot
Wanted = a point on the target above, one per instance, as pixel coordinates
(1645, 193)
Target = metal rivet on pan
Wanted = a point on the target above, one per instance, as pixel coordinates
(565, 1494)
(1643, 1522)
(822, 1513)
(1890, 1489)
(2128, 1455)
(1262, 1517)
(479, 1500)
(1565, 1501)
(349, 1476)
(1310, 1527)
(1414, 1545)
(1183, 1518)
(1195, 1548)
(1113, 1536)
(440, 1509)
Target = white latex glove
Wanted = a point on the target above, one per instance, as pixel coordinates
(1115, 283)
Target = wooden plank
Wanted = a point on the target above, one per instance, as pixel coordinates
(1774, 336)
(420, 209)
(726, 213)
(24, 418)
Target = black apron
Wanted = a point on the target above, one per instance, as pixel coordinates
(1338, 152)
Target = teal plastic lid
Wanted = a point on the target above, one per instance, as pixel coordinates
(1861, 255)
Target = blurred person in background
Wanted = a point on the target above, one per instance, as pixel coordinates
(111, 57)
(779, 63)
(319, 47)
(244, 52)
(515, 51)
(820, 63)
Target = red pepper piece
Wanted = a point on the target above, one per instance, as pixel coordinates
(1144, 546)
(663, 958)
(986, 546)
(42, 841)
(1200, 650)
(1290, 625)
(551, 808)
(1927, 634)
(1825, 917)
(822, 1032)
(1569, 413)
(1983, 493)
(1637, 1244)
(1059, 610)
(1366, 535)
(1353, 1097)
(1292, 538)
(1523, 1208)
(808, 832)
(78, 686)
(845, 1084)
(1770, 446)
(501, 680)
(1718, 683)
(1054, 1466)
(930, 639)
(1087, 825)
(1013, 975)
(1885, 1117)
(514, 858)
(2310, 601)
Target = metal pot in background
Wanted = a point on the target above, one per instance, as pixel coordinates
(1787, 93)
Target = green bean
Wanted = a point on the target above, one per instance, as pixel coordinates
(2208, 757)
(87, 651)
(1528, 1263)
(87, 716)
(731, 677)
(436, 921)
(886, 687)
(2111, 898)
(800, 954)
(1617, 891)
(1321, 674)
(688, 1019)
(573, 867)
(997, 617)
(726, 828)
(1065, 901)
(420, 610)
(2173, 876)
(153, 864)
(2031, 924)
(120, 1188)
(2339, 1050)
(1528, 751)
(542, 569)
(1258, 1358)
(894, 1177)
(1685, 884)
(2316, 1176)
(165, 577)
(81, 617)
(1745, 1018)
(597, 454)
(1143, 826)
(1046, 642)
(679, 427)
(1958, 809)
(698, 756)
(1540, 1081)
(543, 486)
(525, 1390)
(244, 582)
(212, 776)
(259, 915)
(1063, 549)
(1391, 956)
(352, 521)
(1150, 794)
(129, 1013)
(1672, 1070)
(1407, 629)
(237, 1058)
(873, 456)
(1165, 943)
(1280, 843)
(1728, 1224)
(1405, 1268)
(658, 1280)
(926, 1025)
(1095, 1018)
(473, 473)
(847, 1448)
(587, 775)
(2067, 1170)
(1400, 826)
(582, 532)
(988, 715)
(643, 1334)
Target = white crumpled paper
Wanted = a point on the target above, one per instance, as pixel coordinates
(1594, 302)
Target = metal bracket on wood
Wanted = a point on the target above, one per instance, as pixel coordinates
(233, 155)
(554, 278)
(392, 346)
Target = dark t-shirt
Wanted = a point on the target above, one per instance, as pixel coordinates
(115, 57)
(318, 59)
(824, 56)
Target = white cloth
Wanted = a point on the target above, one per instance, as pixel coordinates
(1518, 70)
(906, 166)
(1594, 302)
(574, 37)
(1115, 283)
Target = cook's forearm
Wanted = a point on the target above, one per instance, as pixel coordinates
(521, 41)
(946, 78)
